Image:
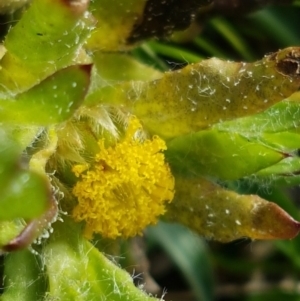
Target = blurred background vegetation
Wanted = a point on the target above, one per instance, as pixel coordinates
(188, 267)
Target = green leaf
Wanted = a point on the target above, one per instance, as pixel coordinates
(224, 155)
(52, 101)
(24, 193)
(78, 271)
(265, 144)
(286, 167)
(189, 253)
(223, 215)
(277, 129)
(287, 141)
(24, 279)
(38, 46)
(281, 117)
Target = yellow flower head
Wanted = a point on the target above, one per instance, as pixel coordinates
(126, 188)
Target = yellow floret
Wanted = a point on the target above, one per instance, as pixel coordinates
(127, 187)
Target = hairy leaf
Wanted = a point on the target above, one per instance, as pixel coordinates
(212, 91)
(24, 279)
(223, 215)
(223, 155)
(78, 271)
(281, 117)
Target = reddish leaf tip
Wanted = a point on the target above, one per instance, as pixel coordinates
(33, 229)
(272, 222)
(86, 68)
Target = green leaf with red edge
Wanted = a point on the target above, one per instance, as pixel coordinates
(39, 46)
(223, 215)
(52, 101)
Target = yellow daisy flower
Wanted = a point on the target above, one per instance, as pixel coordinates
(127, 187)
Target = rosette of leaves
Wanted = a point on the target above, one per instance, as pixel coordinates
(66, 84)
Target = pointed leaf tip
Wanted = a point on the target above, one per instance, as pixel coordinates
(272, 222)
